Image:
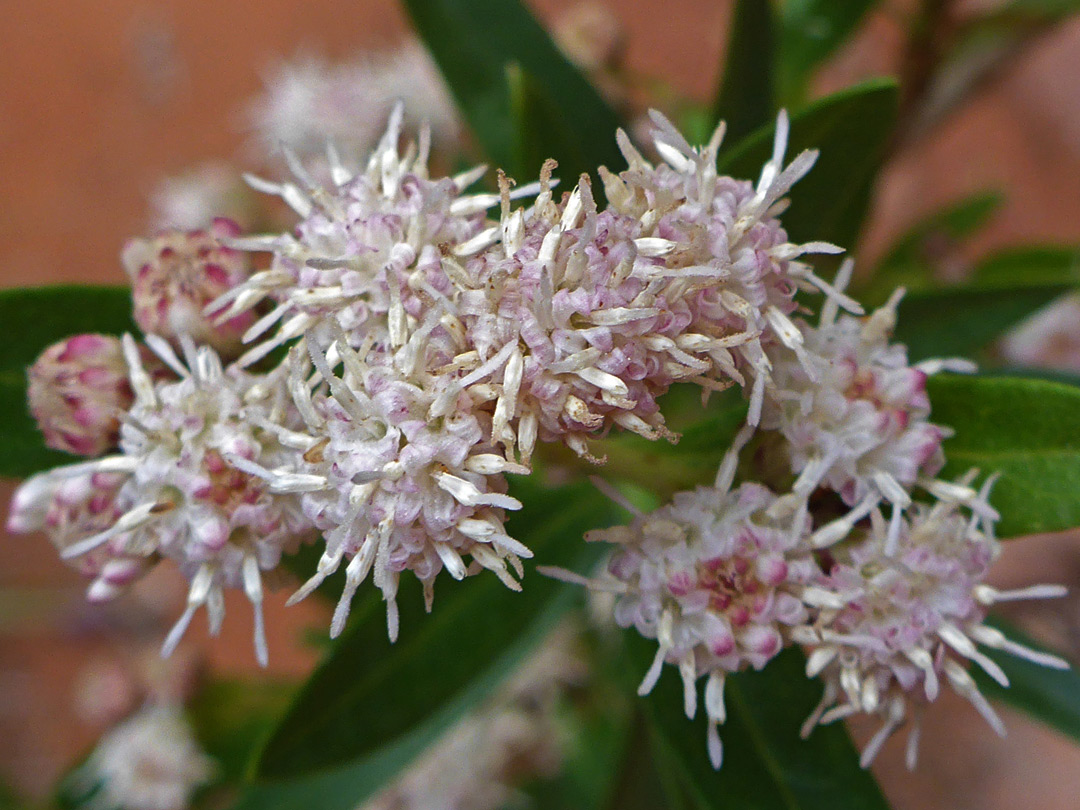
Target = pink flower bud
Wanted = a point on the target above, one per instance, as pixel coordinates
(177, 274)
(77, 390)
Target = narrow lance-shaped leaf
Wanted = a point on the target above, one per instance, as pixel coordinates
(474, 41)
(939, 319)
(810, 32)
(850, 129)
(372, 705)
(33, 319)
(744, 98)
(766, 764)
(1028, 430)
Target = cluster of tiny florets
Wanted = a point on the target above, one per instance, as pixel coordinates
(409, 345)
(888, 608)
(175, 278)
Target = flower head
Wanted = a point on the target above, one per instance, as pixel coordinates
(855, 415)
(394, 488)
(70, 509)
(151, 761)
(715, 577)
(78, 388)
(186, 450)
(367, 251)
(892, 625)
(177, 275)
(725, 243)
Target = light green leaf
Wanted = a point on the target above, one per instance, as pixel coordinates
(744, 99)
(810, 32)
(1051, 696)
(474, 42)
(766, 764)
(33, 319)
(851, 129)
(1004, 289)
(372, 705)
(1026, 429)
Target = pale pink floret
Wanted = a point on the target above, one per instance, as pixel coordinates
(892, 625)
(715, 577)
(191, 454)
(402, 490)
(855, 415)
(78, 389)
(70, 509)
(177, 274)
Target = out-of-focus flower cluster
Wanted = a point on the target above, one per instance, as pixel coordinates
(408, 343)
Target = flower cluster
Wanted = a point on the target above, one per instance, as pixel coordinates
(886, 608)
(150, 761)
(410, 345)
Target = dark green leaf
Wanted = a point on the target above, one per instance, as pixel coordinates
(372, 705)
(35, 318)
(475, 41)
(766, 764)
(810, 32)
(1026, 429)
(851, 129)
(1005, 289)
(540, 129)
(664, 468)
(1049, 695)
(744, 98)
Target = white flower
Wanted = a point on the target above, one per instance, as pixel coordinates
(855, 415)
(309, 102)
(151, 761)
(892, 625)
(716, 578)
(725, 243)
(186, 450)
(394, 486)
(367, 251)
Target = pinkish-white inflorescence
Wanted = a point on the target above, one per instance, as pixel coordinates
(70, 509)
(891, 625)
(724, 246)
(855, 415)
(78, 390)
(177, 275)
(185, 453)
(716, 578)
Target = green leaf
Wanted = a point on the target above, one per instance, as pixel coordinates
(766, 764)
(1051, 696)
(664, 468)
(1004, 289)
(35, 318)
(232, 717)
(911, 259)
(851, 129)
(1026, 429)
(540, 129)
(474, 42)
(372, 705)
(744, 98)
(810, 32)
